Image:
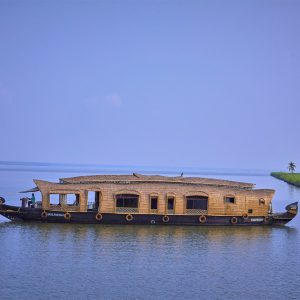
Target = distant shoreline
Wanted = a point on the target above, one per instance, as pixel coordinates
(19, 166)
(291, 178)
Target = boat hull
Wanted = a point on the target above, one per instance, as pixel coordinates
(93, 217)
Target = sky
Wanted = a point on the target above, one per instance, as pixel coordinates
(213, 84)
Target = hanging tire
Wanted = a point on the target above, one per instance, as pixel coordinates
(234, 220)
(67, 216)
(245, 216)
(202, 219)
(166, 219)
(44, 215)
(98, 217)
(129, 218)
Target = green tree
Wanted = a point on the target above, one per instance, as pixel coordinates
(292, 167)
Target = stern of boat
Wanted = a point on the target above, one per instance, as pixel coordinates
(10, 212)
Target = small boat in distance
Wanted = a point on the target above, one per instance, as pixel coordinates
(148, 199)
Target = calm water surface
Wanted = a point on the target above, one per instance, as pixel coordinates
(46, 261)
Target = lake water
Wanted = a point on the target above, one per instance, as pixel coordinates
(47, 261)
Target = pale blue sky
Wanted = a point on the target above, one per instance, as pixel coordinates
(170, 83)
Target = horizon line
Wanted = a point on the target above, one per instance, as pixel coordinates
(41, 164)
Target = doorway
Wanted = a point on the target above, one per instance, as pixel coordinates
(93, 200)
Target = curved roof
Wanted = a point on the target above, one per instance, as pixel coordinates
(136, 178)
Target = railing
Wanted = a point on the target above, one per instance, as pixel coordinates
(38, 204)
(91, 205)
(71, 207)
(56, 207)
(127, 209)
(170, 211)
(64, 207)
(153, 211)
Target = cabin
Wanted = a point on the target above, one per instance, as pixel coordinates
(154, 194)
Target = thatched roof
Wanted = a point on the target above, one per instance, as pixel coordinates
(33, 190)
(136, 178)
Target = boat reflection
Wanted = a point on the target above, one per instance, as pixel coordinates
(157, 233)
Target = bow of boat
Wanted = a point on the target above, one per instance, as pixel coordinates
(287, 216)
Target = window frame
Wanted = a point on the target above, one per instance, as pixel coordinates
(153, 196)
(195, 196)
(170, 211)
(93, 203)
(64, 206)
(127, 209)
(229, 202)
(193, 211)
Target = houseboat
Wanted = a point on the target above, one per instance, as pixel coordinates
(148, 199)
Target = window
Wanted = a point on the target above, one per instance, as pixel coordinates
(54, 199)
(127, 200)
(64, 199)
(229, 199)
(71, 199)
(196, 202)
(171, 203)
(261, 201)
(127, 203)
(250, 211)
(153, 202)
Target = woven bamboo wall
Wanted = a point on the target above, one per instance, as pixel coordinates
(244, 199)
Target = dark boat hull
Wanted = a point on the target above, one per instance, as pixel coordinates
(92, 217)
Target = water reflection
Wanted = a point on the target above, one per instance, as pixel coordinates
(141, 233)
(128, 261)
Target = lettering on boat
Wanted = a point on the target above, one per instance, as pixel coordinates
(55, 214)
(257, 219)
